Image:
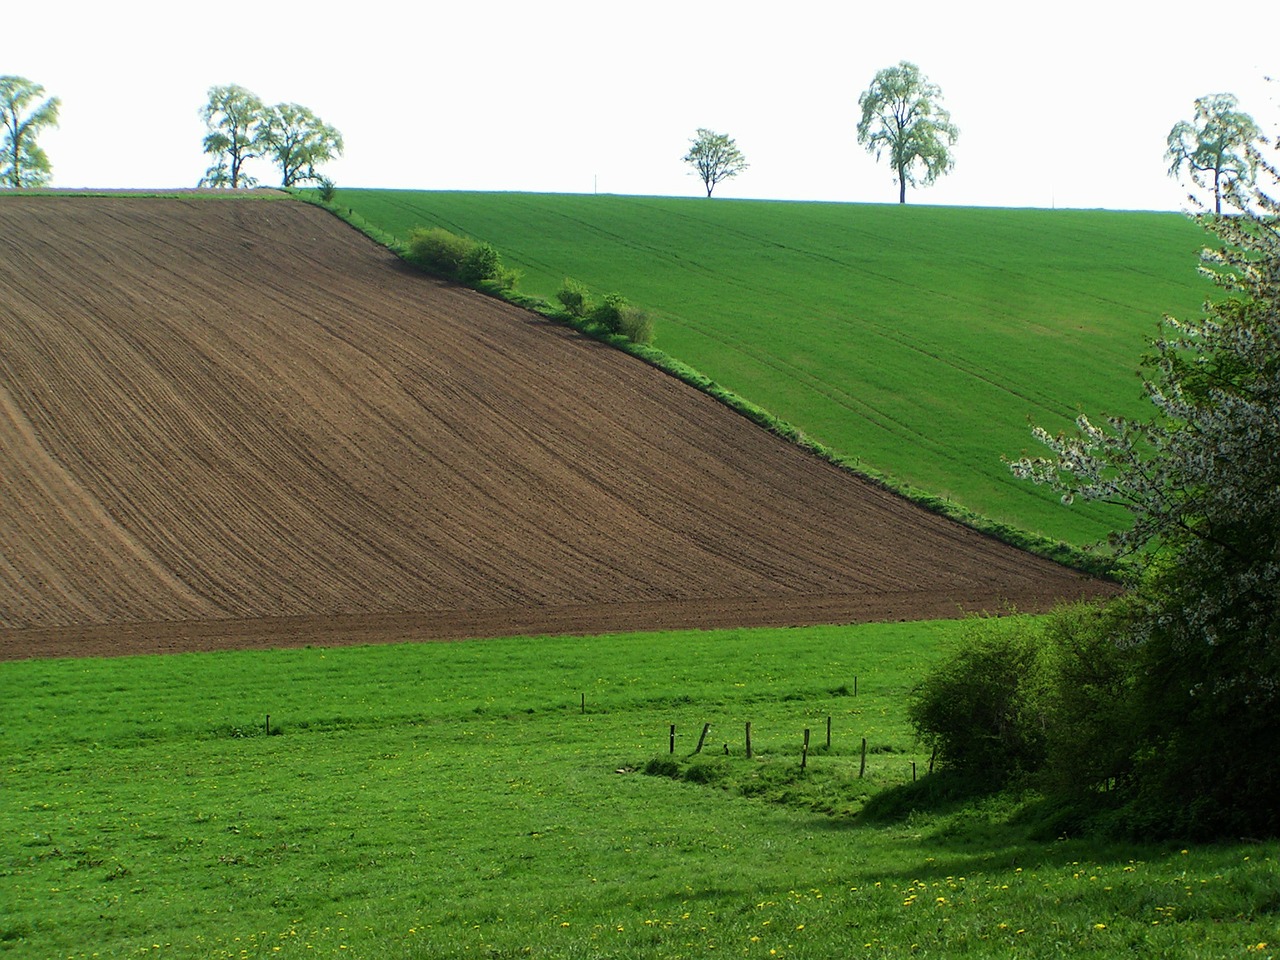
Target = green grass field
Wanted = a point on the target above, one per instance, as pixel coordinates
(455, 800)
(918, 341)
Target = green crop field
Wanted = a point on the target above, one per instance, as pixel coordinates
(917, 341)
(490, 799)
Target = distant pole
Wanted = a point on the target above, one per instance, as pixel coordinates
(673, 738)
(828, 731)
(748, 739)
(804, 753)
(862, 767)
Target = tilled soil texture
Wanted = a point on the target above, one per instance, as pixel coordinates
(236, 423)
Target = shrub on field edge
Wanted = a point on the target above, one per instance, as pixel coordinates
(608, 311)
(574, 297)
(481, 262)
(459, 258)
(1089, 706)
(981, 709)
(635, 324)
(438, 250)
(616, 314)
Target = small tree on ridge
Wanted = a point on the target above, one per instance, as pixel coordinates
(902, 114)
(298, 142)
(1216, 143)
(234, 118)
(714, 157)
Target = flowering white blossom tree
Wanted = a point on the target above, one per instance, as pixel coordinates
(1201, 479)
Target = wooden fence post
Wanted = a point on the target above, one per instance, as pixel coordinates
(705, 728)
(748, 739)
(673, 738)
(862, 768)
(804, 753)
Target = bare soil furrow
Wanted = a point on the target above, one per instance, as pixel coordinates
(233, 422)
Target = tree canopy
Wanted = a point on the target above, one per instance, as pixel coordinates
(1215, 144)
(298, 142)
(903, 116)
(714, 157)
(234, 118)
(23, 115)
(242, 127)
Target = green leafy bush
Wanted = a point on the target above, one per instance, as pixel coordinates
(1089, 699)
(439, 251)
(982, 708)
(481, 262)
(634, 324)
(608, 312)
(574, 297)
(460, 258)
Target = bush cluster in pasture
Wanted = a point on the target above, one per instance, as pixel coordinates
(1091, 708)
(982, 709)
(460, 258)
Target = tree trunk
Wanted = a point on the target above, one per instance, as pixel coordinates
(902, 186)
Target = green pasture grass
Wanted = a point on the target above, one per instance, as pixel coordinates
(488, 799)
(920, 342)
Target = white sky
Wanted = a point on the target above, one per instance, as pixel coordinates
(1058, 104)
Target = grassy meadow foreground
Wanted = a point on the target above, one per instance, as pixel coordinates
(457, 800)
(916, 341)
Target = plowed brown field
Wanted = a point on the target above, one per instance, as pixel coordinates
(239, 422)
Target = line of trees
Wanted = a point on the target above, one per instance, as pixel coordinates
(241, 127)
(902, 117)
(903, 120)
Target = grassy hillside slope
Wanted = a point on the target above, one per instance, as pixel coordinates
(918, 340)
